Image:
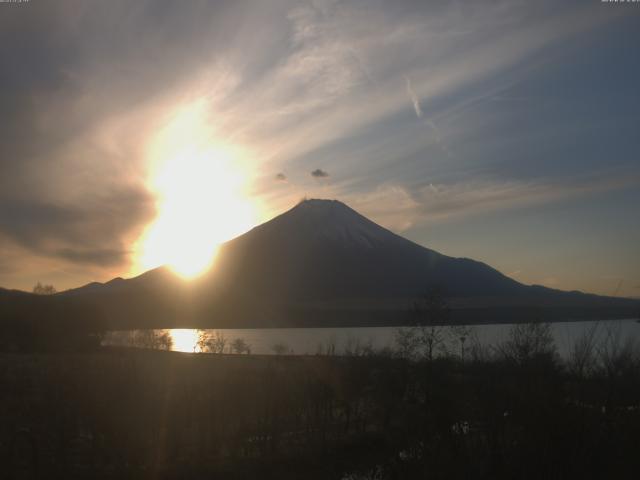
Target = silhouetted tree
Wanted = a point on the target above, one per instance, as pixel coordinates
(239, 345)
(152, 339)
(280, 348)
(218, 343)
(148, 415)
(432, 312)
(206, 342)
(407, 342)
(582, 357)
(354, 347)
(460, 335)
(40, 289)
(528, 341)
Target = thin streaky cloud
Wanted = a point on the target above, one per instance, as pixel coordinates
(400, 208)
(415, 101)
(296, 85)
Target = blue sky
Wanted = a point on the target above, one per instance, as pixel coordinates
(501, 131)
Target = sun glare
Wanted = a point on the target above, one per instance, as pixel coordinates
(200, 187)
(184, 340)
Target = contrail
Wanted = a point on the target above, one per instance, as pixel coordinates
(420, 114)
(414, 98)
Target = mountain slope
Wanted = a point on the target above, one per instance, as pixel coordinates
(322, 249)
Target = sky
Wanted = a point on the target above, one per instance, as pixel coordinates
(504, 131)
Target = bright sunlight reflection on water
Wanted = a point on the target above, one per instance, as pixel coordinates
(184, 340)
(311, 341)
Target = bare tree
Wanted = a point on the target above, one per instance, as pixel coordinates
(432, 312)
(152, 339)
(354, 347)
(206, 342)
(328, 347)
(582, 357)
(407, 342)
(280, 348)
(615, 352)
(528, 341)
(218, 343)
(239, 345)
(44, 289)
(459, 335)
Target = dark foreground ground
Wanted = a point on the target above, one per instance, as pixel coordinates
(116, 414)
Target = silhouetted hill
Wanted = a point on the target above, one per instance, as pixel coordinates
(30, 322)
(322, 263)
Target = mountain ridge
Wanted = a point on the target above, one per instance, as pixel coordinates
(322, 263)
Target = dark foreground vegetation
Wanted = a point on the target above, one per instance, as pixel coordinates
(514, 411)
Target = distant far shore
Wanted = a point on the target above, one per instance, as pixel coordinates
(349, 318)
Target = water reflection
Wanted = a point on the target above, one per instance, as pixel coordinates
(151, 339)
(338, 341)
(186, 340)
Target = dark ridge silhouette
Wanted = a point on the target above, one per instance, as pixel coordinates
(323, 264)
(31, 322)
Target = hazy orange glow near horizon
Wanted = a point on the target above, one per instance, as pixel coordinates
(200, 185)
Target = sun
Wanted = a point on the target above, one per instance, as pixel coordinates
(200, 187)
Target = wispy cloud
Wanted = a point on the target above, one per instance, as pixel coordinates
(414, 98)
(401, 208)
(295, 84)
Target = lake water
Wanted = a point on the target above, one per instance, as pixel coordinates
(312, 341)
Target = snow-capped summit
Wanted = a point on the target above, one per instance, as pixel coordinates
(319, 220)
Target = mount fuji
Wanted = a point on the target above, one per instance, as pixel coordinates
(323, 264)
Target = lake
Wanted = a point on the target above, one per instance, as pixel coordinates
(312, 341)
